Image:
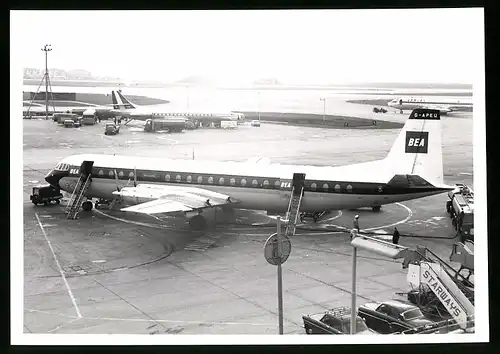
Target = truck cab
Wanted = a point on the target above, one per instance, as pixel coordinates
(461, 210)
(89, 117)
(46, 195)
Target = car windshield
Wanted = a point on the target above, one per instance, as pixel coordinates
(412, 314)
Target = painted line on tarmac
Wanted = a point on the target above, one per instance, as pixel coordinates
(50, 312)
(147, 320)
(156, 226)
(410, 214)
(339, 214)
(59, 267)
(180, 322)
(62, 325)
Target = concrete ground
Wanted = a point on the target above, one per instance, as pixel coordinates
(113, 273)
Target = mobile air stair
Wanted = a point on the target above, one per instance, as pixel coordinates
(295, 201)
(440, 282)
(82, 185)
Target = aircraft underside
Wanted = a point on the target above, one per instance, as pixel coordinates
(273, 201)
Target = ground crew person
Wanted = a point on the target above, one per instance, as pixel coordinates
(395, 236)
(353, 234)
(355, 222)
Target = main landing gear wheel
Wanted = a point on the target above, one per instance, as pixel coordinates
(376, 208)
(198, 223)
(87, 206)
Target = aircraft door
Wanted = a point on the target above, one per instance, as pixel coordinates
(86, 168)
(298, 182)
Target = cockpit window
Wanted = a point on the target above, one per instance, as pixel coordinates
(62, 167)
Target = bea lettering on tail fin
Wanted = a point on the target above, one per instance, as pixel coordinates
(418, 149)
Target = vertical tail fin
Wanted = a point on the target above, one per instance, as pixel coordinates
(418, 150)
(120, 102)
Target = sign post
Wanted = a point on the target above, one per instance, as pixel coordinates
(280, 278)
(276, 251)
(353, 290)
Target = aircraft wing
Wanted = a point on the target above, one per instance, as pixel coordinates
(160, 199)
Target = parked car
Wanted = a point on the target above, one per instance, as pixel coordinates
(335, 321)
(111, 129)
(379, 110)
(392, 316)
(72, 123)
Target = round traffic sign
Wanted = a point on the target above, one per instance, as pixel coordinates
(272, 251)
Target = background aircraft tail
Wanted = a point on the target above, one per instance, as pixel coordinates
(120, 102)
(418, 149)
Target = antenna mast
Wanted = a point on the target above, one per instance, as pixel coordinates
(46, 49)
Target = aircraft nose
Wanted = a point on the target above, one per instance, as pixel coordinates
(53, 177)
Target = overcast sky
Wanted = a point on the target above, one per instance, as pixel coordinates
(233, 46)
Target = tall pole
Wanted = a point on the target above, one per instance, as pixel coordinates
(353, 291)
(324, 107)
(258, 105)
(46, 49)
(280, 279)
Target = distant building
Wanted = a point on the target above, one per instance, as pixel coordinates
(269, 81)
(79, 74)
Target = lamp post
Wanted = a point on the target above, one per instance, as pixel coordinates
(46, 49)
(324, 107)
(374, 245)
(258, 104)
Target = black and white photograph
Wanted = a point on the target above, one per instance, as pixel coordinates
(248, 176)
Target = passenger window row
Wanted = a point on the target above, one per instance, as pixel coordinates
(232, 181)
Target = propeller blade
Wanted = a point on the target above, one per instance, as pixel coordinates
(116, 179)
(135, 177)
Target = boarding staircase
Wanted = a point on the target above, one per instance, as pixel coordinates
(463, 283)
(293, 210)
(78, 196)
(453, 297)
(454, 291)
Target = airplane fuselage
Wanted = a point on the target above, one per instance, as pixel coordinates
(443, 104)
(252, 186)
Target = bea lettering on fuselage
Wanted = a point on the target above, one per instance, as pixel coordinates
(417, 142)
(286, 185)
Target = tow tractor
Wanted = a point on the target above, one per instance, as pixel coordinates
(315, 216)
(461, 210)
(46, 195)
